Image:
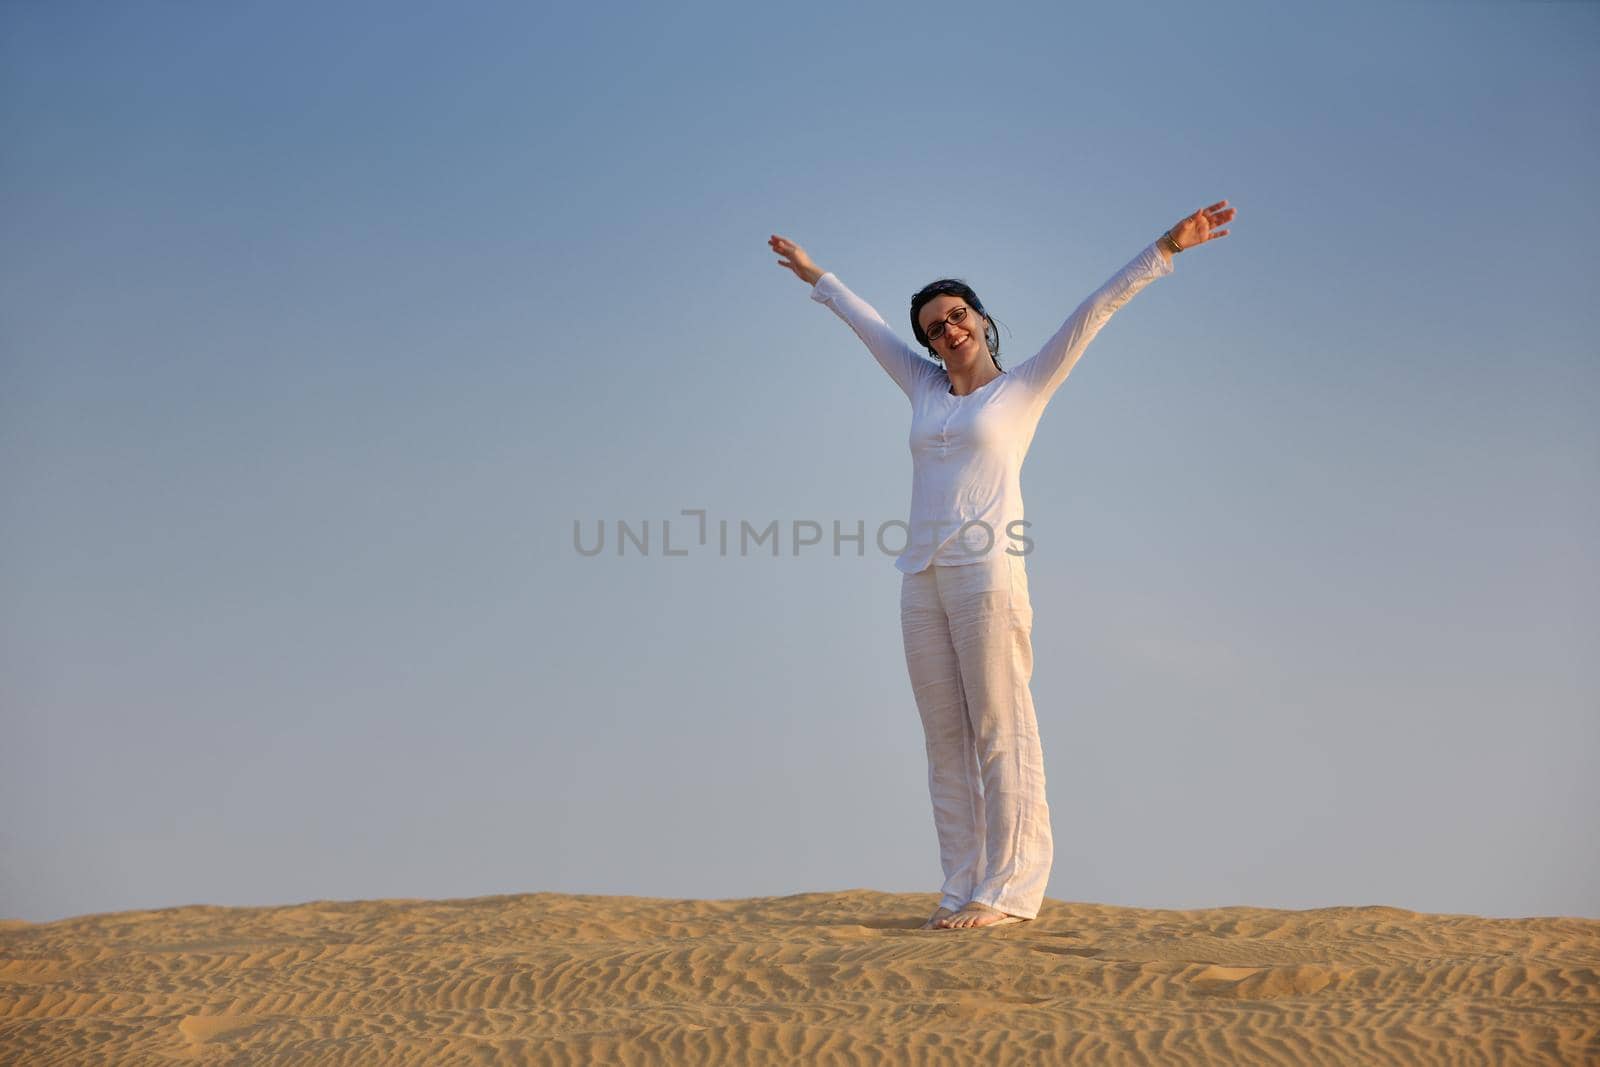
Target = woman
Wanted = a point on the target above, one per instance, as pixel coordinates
(964, 610)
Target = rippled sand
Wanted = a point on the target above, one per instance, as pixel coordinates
(814, 978)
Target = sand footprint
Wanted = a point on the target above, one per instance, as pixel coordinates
(1262, 983)
(201, 1029)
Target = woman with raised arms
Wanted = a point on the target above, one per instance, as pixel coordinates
(964, 610)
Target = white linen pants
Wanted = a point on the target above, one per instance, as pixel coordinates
(969, 649)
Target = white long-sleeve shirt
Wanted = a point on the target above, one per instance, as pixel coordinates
(967, 451)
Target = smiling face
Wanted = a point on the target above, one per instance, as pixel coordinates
(962, 343)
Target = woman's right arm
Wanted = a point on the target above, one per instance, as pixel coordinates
(908, 369)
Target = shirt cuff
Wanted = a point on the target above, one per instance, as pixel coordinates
(1164, 264)
(826, 289)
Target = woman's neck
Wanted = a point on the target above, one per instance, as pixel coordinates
(964, 380)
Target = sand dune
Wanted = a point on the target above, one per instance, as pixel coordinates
(814, 978)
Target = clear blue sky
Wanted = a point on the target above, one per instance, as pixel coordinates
(323, 324)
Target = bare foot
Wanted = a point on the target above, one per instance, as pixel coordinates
(933, 920)
(975, 915)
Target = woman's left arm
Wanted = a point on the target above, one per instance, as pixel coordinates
(1045, 372)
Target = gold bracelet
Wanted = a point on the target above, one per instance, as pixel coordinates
(1176, 247)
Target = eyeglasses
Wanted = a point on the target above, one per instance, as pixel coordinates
(955, 318)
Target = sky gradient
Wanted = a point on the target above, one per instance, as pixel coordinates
(321, 327)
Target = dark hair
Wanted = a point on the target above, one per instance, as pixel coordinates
(952, 287)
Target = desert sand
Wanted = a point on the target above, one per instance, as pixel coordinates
(820, 978)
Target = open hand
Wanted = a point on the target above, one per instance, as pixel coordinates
(793, 257)
(1201, 227)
